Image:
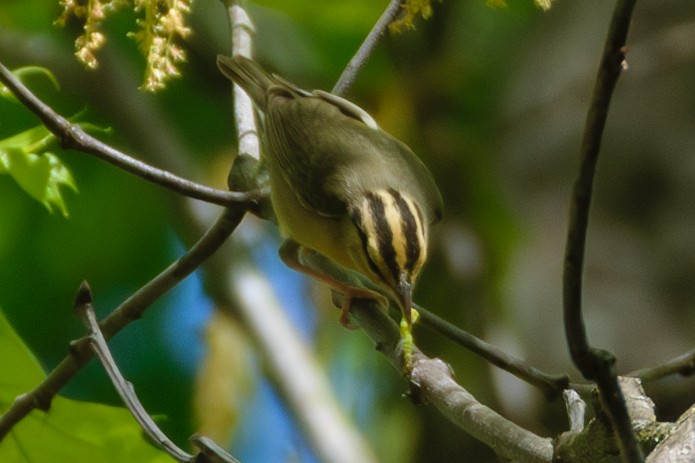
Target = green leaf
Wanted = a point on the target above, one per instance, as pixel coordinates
(23, 71)
(32, 140)
(21, 370)
(71, 431)
(40, 175)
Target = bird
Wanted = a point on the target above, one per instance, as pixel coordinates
(342, 187)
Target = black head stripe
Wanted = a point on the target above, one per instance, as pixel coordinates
(384, 235)
(410, 231)
(358, 220)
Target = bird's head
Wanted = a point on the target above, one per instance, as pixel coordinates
(393, 235)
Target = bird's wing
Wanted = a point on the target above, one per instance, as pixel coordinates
(426, 193)
(348, 108)
(300, 145)
(303, 144)
(329, 174)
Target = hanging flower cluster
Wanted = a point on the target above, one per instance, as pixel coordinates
(161, 25)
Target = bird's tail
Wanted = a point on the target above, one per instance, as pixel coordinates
(248, 75)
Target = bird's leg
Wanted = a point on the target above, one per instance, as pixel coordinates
(295, 256)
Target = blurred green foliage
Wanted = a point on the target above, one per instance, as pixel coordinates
(72, 431)
(493, 100)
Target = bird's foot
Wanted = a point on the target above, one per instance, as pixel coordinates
(350, 293)
(345, 317)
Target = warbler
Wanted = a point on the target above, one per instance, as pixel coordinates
(342, 187)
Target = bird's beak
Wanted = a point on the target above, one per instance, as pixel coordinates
(404, 292)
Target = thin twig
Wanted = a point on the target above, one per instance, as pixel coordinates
(550, 385)
(211, 450)
(431, 378)
(433, 383)
(595, 364)
(367, 48)
(244, 114)
(85, 311)
(129, 310)
(683, 365)
(72, 136)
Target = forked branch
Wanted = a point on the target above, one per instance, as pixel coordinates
(595, 364)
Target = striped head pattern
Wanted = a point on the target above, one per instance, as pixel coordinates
(394, 240)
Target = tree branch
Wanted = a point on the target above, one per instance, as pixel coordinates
(72, 136)
(550, 385)
(432, 379)
(595, 441)
(244, 113)
(678, 445)
(595, 364)
(131, 309)
(683, 365)
(367, 48)
(85, 311)
(433, 383)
